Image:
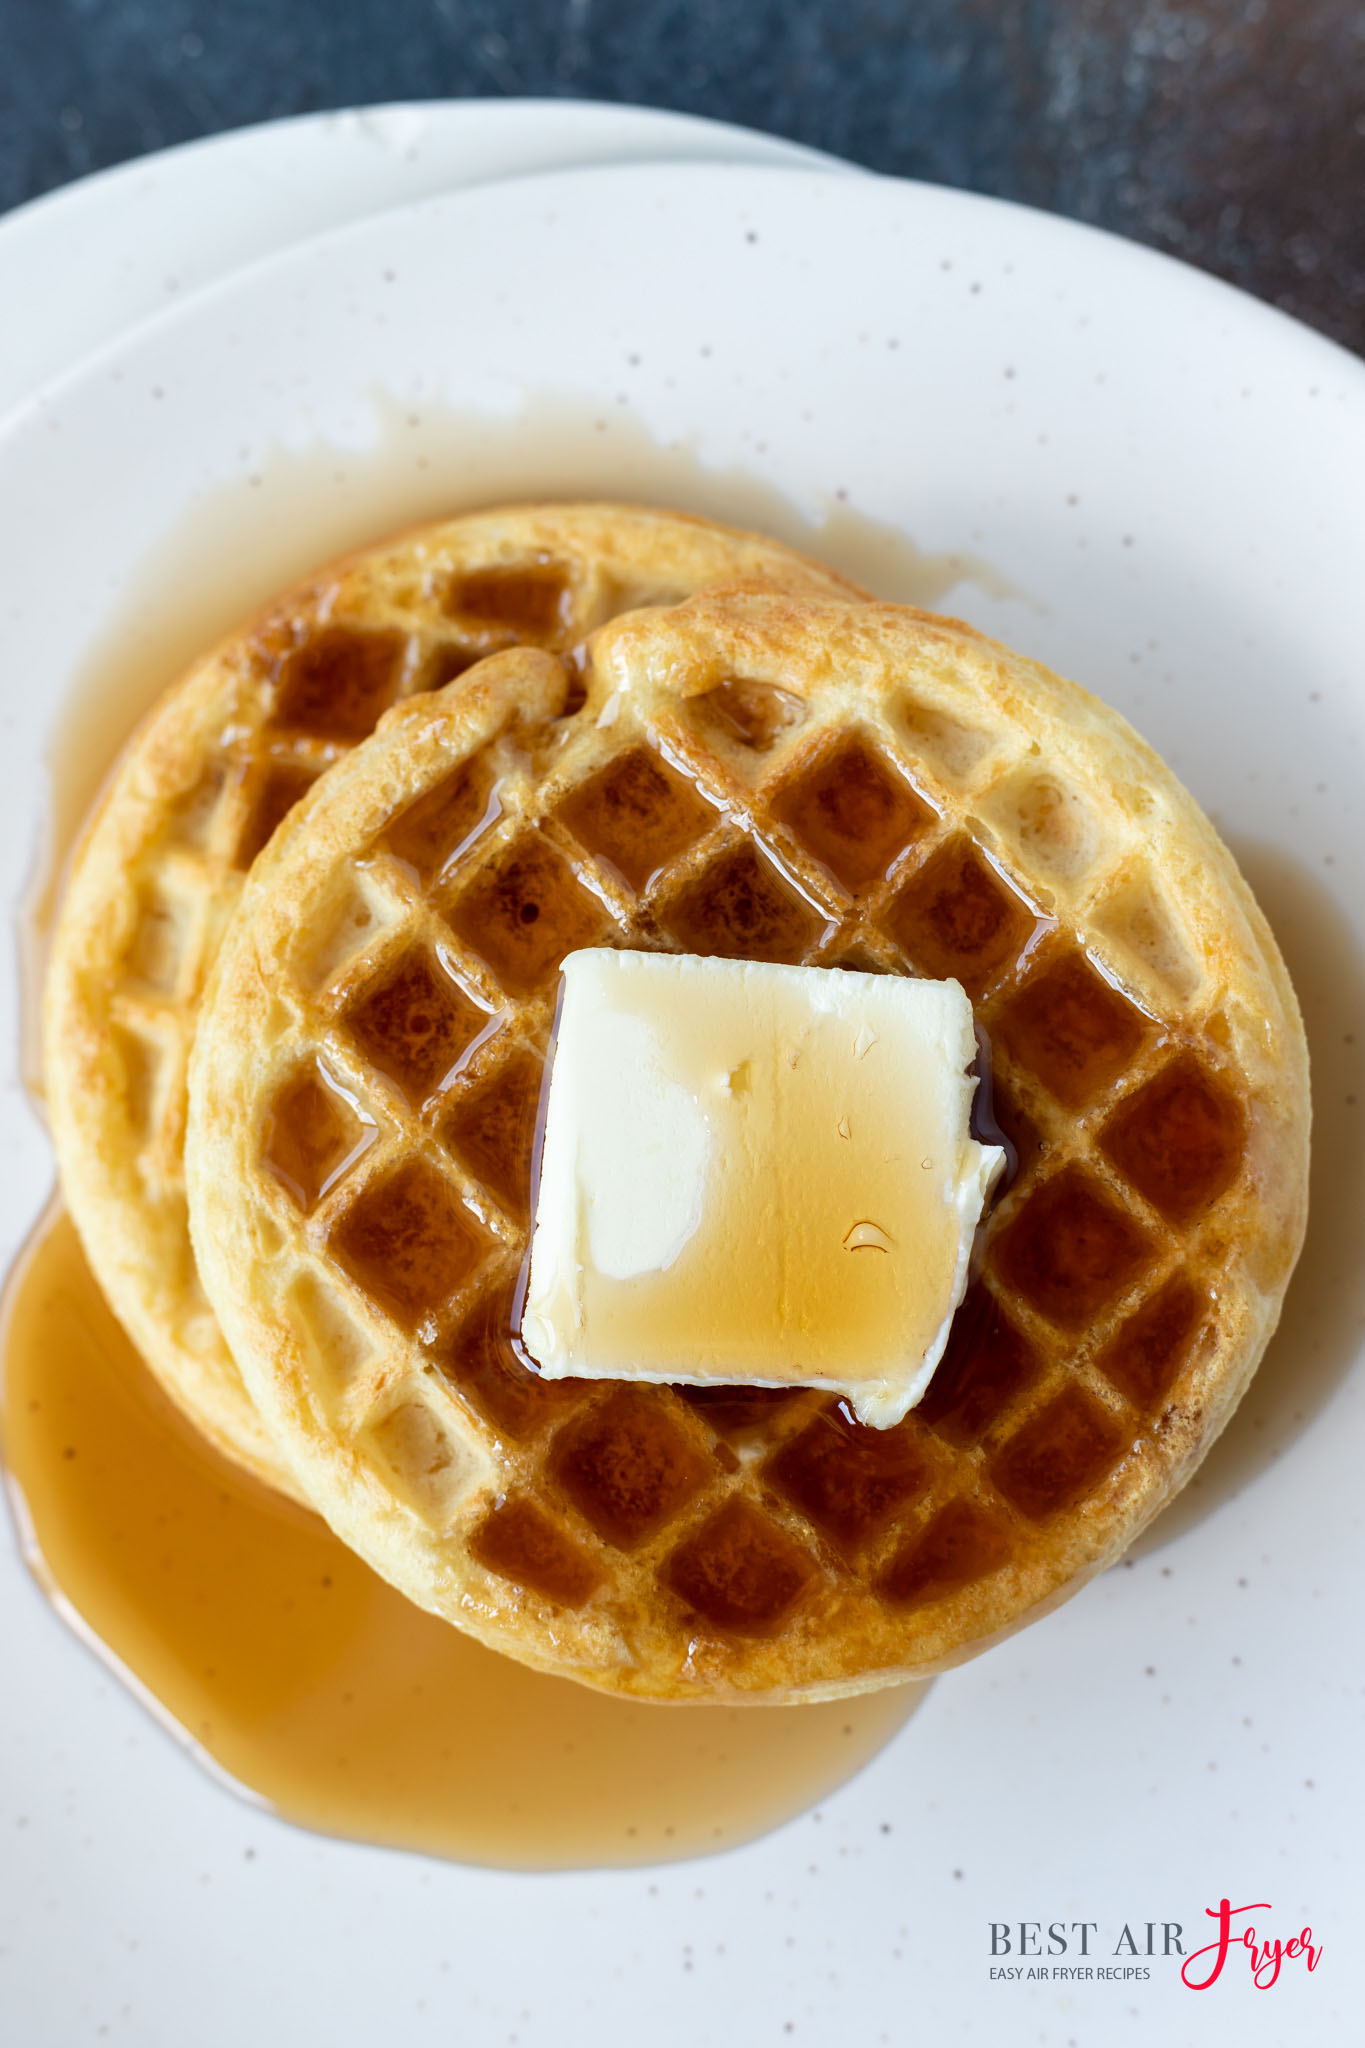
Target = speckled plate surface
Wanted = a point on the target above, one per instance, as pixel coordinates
(91, 259)
(1122, 468)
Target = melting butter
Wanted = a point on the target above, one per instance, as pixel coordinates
(722, 1140)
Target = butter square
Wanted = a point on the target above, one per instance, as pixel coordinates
(755, 1175)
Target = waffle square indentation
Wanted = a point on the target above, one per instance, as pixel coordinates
(431, 834)
(141, 1065)
(491, 1129)
(854, 812)
(737, 1411)
(1149, 1349)
(525, 913)
(314, 1132)
(987, 1365)
(740, 908)
(637, 814)
(849, 1480)
(1022, 1131)
(481, 1362)
(1070, 1250)
(337, 681)
(413, 1022)
(961, 1543)
(443, 664)
(1059, 1456)
(1179, 1140)
(428, 1466)
(192, 817)
(740, 1572)
(271, 795)
(958, 919)
(627, 1468)
(1072, 1029)
(408, 1241)
(520, 1542)
(747, 714)
(954, 749)
(158, 952)
(526, 600)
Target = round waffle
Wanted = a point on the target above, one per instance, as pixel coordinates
(197, 794)
(784, 779)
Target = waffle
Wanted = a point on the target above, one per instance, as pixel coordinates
(198, 793)
(760, 775)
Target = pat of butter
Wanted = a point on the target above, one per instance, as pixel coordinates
(755, 1175)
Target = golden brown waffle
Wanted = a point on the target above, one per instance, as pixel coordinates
(784, 779)
(198, 793)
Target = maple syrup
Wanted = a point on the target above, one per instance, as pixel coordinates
(414, 1023)
(1059, 1456)
(627, 1467)
(315, 1132)
(959, 920)
(637, 814)
(986, 1366)
(1070, 1250)
(408, 1240)
(854, 812)
(525, 912)
(1179, 1140)
(431, 834)
(962, 1542)
(1072, 1028)
(849, 1480)
(336, 685)
(740, 908)
(492, 1127)
(739, 1570)
(275, 1652)
(1148, 1350)
(527, 603)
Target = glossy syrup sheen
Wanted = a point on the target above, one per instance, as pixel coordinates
(277, 1653)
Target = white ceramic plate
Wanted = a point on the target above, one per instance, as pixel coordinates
(93, 258)
(1132, 472)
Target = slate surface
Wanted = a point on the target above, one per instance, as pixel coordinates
(1228, 132)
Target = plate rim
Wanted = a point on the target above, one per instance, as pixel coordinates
(1219, 292)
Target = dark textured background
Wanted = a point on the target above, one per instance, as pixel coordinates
(1228, 132)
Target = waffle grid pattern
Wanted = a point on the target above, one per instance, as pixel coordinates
(317, 693)
(754, 820)
(315, 699)
(202, 788)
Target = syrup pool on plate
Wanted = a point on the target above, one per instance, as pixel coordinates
(277, 1654)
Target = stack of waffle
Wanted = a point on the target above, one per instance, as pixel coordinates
(301, 997)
